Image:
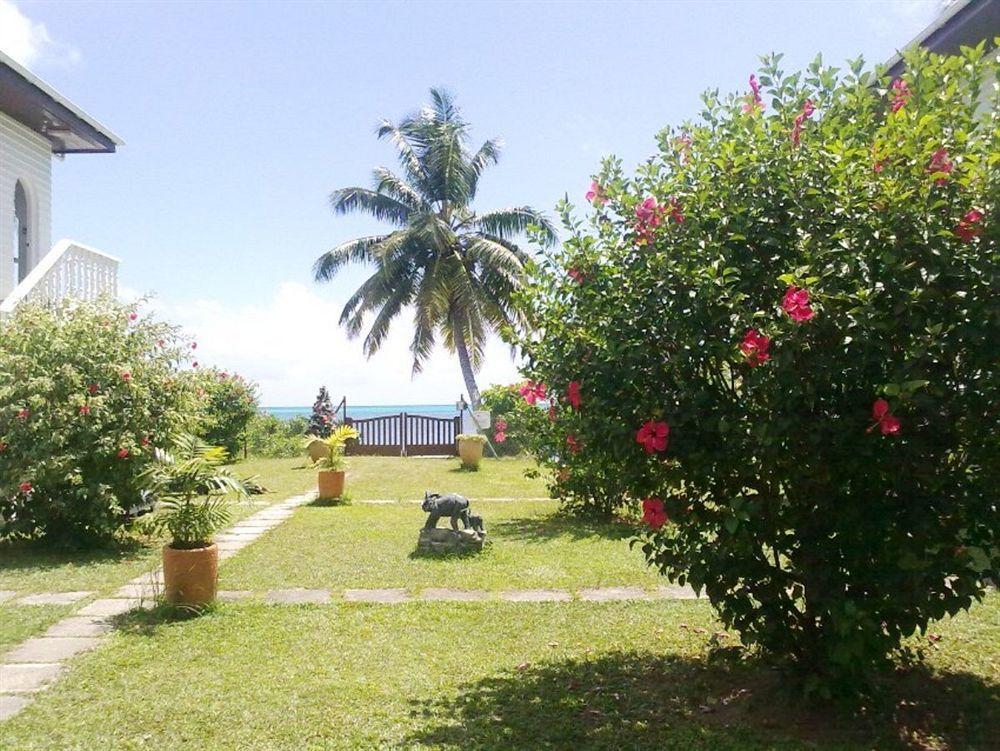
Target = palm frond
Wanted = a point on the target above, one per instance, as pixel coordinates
(352, 251)
(488, 154)
(381, 206)
(511, 222)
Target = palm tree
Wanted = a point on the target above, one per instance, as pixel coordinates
(455, 268)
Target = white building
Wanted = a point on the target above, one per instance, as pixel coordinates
(36, 122)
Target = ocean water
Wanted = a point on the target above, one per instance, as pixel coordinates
(361, 411)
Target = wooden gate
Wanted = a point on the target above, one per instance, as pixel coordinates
(405, 435)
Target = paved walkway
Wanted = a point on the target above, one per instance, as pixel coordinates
(34, 664)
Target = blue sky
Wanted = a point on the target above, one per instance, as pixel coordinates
(240, 118)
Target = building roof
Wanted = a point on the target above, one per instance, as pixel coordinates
(31, 101)
(964, 23)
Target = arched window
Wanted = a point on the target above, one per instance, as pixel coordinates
(22, 233)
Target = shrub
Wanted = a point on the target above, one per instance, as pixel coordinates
(228, 403)
(782, 335)
(86, 391)
(512, 419)
(268, 435)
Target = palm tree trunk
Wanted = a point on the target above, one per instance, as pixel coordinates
(465, 361)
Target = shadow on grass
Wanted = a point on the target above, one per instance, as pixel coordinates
(628, 700)
(560, 524)
(41, 555)
(147, 621)
(330, 502)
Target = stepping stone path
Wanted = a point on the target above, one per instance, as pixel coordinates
(34, 664)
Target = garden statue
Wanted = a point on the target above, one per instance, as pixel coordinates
(472, 535)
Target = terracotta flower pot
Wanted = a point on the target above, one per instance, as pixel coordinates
(190, 576)
(331, 484)
(471, 452)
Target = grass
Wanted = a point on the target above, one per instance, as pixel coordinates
(364, 545)
(402, 479)
(27, 567)
(18, 622)
(485, 676)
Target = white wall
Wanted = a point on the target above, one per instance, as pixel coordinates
(24, 156)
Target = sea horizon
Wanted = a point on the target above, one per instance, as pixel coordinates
(361, 411)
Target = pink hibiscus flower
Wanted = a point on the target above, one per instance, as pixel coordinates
(755, 347)
(653, 436)
(796, 304)
(573, 394)
(969, 227)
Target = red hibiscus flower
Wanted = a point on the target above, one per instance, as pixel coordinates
(576, 275)
(940, 164)
(85, 409)
(499, 437)
(132, 316)
(900, 94)
(123, 453)
(753, 103)
(807, 110)
(573, 394)
(596, 194)
(25, 487)
(574, 445)
(92, 388)
(653, 513)
(532, 391)
(887, 422)
(969, 227)
(653, 436)
(144, 441)
(24, 414)
(755, 347)
(126, 376)
(796, 304)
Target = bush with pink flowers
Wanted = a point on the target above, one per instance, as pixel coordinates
(777, 341)
(227, 403)
(86, 392)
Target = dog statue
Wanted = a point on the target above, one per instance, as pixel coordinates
(452, 505)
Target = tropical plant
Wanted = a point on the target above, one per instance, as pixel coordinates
(778, 342)
(192, 491)
(456, 268)
(227, 404)
(336, 442)
(269, 435)
(321, 420)
(86, 390)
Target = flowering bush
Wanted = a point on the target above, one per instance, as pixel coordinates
(227, 403)
(795, 380)
(85, 393)
(268, 435)
(515, 422)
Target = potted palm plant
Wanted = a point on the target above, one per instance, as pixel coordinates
(190, 487)
(330, 477)
(470, 449)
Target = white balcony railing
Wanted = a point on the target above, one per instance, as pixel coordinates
(69, 270)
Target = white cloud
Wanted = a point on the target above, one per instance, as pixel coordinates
(292, 344)
(29, 42)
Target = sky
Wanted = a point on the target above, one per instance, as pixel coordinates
(240, 118)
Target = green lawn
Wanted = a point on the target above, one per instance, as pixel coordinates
(484, 676)
(18, 622)
(364, 545)
(27, 567)
(406, 479)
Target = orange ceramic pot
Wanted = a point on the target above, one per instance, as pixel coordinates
(190, 577)
(331, 484)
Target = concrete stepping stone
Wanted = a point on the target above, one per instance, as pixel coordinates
(11, 704)
(233, 595)
(536, 595)
(673, 592)
(376, 595)
(52, 598)
(50, 648)
(7, 594)
(29, 677)
(79, 626)
(298, 596)
(144, 591)
(110, 606)
(608, 594)
(441, 594)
